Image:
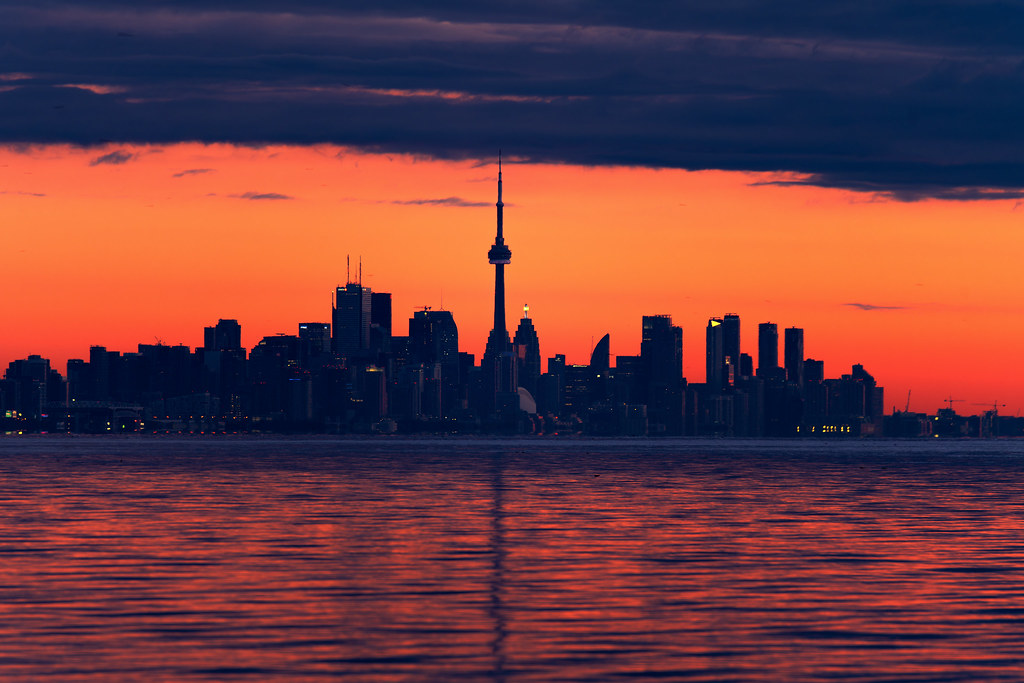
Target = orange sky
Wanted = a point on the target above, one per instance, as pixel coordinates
(118, 254)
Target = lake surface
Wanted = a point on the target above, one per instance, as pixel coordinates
(246, 559)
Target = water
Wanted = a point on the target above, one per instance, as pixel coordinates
(154, 559)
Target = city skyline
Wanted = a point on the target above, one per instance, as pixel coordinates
(562, 297)
(853, 170)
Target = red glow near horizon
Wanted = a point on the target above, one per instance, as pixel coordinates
(924, 295)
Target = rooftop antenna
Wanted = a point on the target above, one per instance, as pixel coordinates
(360, 271)
(348, 269)
(526, 313)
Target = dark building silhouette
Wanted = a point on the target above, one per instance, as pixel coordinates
(714, 355)
(599, 389)
(527, 349)
(768, 351)
(661, 357)
(317, 336)
(730, 349)
(226, 335)
(380, 310)
(351, 320)
(794, 355)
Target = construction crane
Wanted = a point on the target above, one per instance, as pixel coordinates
(996, 405)
(907, 409)
(949, 401)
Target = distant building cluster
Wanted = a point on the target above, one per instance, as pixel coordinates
(352, 375)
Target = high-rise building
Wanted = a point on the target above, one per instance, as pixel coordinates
(434, 346)
(380, 310)
(317, 335)
(794, 355)
(661, 350)
(600, 368)
(226, 335)
(714, 355)
(351, 320)
(730, 348)
(527, 349)
(661, 360)
(499, 256)
(434, 338)
(767, 349)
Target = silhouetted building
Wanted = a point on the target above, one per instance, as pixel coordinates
(434, 345)
(768, 351)
(661, 355)
(317, 336)
(730, 349)
(226, 335)
(794, 355)
(599, 390)
(527, 349)
(351, 320)
(714, 355)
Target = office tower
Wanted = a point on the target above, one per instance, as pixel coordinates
(730, 348)
(746, 365)
(527, 349)
(434, 338)
(434, 346)
(226, 335)
(600, 366)
(661, 358)
(794, 355)
(767, 349)
(499, 256)
(351, 319)
(814, 370)
(317, 335)
(714, 355)
(661, 350)
(380, 310)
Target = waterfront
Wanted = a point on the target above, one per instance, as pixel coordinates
(510, 560)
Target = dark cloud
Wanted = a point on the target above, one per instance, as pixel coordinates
(116, 158)
(262, 195)
(446, 201)
(905, 98)
(192, 171)
(873, 307)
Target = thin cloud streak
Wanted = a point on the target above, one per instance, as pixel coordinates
(192, 171)
(262, 196)
(874, 307)
(115, 158)
(446, 201)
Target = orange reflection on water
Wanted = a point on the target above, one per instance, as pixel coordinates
(256, 560)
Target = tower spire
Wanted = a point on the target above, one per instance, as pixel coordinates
(499, 256)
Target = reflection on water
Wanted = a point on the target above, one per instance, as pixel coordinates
(152, 559)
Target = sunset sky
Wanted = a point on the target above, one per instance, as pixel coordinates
(852, 168)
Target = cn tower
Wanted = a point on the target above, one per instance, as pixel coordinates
(499, 255)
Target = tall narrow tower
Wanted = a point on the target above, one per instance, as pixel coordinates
(499, 255)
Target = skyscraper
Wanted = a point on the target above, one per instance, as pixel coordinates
(767, 349)
(226, 335)
(527, 348)
(661, 351)
(714, 354)
(730, 348)
(794, 355)
(351, 320)
(499, 256)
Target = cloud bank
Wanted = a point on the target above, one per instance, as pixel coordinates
(905, 98)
